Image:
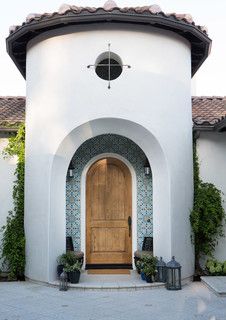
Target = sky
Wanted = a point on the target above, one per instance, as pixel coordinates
(209, 80)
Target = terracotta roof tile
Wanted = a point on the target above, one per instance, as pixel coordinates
(109, 6)
(12, 111)
(206, 111)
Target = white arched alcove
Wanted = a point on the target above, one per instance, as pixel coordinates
(161, 184)
(83, 199)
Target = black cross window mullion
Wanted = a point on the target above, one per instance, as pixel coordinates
(109, 65)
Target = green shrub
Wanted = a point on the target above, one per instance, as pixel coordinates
(210, 263)
(224, 269)
(216, 268)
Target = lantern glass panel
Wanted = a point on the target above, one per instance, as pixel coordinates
(173, 275)
(63, 282)
(161, 270)
(173, 279)
(161, 274)
(147, 171)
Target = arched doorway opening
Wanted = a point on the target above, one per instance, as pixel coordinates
(108, 214)
(57, 226)
(133, 157)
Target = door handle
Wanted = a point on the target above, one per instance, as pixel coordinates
(129, 224)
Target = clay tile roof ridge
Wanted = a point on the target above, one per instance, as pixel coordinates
(209, 97)
(109, 6)
(12, 97)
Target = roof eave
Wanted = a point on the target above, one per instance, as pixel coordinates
(3, 129)
(203, 127)
(201, 40)
(221, 126)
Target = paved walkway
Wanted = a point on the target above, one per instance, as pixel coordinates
(29, 301)
(216, 283)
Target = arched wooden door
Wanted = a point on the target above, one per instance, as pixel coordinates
(108, 213)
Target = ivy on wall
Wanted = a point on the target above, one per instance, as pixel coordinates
(207, 216)
(13, 242)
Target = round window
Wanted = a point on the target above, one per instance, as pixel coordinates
(108, 66)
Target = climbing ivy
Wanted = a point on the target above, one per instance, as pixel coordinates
(13, 242)
(207, 216)
(195, 169)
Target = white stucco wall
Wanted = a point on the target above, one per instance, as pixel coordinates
(67, 104)
(7, 168)
(211, 148)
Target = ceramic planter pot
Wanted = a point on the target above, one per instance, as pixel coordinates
(143, 276)
(74, 276)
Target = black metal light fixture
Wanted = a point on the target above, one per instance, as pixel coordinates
(161, 271)
(173, 275)
(63, 282)
(71, 170)
(147, 168)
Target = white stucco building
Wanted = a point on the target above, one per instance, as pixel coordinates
(109, 92)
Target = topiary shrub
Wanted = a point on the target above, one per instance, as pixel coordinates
(13, 240)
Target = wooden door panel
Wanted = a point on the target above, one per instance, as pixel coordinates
(115, 189)
(98, 193)
(108, 240)
(116, 240)
(108, 206)
(98, 240)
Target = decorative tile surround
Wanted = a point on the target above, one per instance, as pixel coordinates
(109, 143)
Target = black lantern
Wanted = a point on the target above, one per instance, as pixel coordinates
(70, 170)
(63, 282)
(147, 169)
(161, 271)
(173, 275)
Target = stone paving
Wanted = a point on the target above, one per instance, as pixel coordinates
(216, 283)
(116, 282)
(30, 301)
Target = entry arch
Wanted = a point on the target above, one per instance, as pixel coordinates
(161, 183)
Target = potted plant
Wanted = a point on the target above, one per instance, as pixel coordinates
(73, 271)
(149, 267)
(68, 258)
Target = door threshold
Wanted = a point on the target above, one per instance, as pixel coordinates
(108, 266)
(108, 271)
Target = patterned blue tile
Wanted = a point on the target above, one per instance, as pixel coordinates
(109, 143)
